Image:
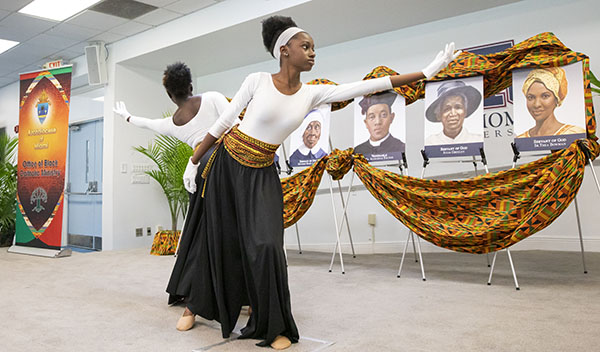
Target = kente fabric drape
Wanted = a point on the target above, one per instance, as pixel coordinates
(479, 215)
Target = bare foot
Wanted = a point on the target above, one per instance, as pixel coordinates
(186, 321)
(281, 343)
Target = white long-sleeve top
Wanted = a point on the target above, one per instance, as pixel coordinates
(213, 104)
(271, 115)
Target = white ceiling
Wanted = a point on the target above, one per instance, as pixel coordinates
(330, 21)
(44, 40)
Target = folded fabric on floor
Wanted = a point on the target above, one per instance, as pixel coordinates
(478, 215)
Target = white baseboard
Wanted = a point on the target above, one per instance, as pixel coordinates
(532, 243)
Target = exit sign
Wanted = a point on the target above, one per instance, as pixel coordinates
(53, 64)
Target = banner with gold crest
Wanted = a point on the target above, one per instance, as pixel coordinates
(43, 130)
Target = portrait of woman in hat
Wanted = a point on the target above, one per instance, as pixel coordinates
(455, 102)
(545, 89)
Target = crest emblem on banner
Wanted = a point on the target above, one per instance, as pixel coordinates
(43, 106)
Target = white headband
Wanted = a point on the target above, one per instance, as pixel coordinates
(284, 38)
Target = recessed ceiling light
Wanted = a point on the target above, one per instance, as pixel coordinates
(56, 10)
(6, 44)
(100, 98)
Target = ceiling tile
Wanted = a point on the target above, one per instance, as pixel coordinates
(28, 54)
(22, 27)
(78, 48)
(53, 41)
(4, 81)
(157, 17)
(157, 3)
(130, 28)
(72, 31)
(13, 5)
(68, 55)
(7, 66)
(3, 13)
(189, 6)
(129, 9)
(107, 37)
(96, 20)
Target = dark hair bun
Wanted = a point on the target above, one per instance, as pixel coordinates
(177, 79)
(272, 27)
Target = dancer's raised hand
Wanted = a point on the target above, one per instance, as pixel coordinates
(442, 59)
(121, 110)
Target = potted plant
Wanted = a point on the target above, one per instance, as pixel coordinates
(8, 189)
(170, 156)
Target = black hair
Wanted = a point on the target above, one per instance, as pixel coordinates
(177, 79)
(272, 27)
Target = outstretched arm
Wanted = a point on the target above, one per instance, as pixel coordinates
(162, 126)
(331, 94)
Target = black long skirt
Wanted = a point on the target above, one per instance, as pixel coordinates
(182, 275)
(238, 252)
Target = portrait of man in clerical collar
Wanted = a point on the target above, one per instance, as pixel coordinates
(379, 126)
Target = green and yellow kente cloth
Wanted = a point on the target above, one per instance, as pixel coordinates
(165, 243)
(479, 215)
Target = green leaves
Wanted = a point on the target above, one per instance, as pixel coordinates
(8, 186)
(170, 156)
(595, 83)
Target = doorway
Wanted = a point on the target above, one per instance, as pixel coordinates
(84, 186)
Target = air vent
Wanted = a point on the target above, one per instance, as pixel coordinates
(123, 8)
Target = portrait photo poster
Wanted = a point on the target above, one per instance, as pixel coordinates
(380, 126)
(543, 120)
(310, 141)
(454, 117)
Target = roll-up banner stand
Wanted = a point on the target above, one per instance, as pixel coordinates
(43, 130)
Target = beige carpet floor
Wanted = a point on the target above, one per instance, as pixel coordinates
(115, 301)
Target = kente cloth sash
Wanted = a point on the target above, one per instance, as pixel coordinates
(249, 151)
(246, 150)
(478, 215)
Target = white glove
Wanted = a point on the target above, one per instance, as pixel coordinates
(189, 176)
(121, 111)
(442, 59)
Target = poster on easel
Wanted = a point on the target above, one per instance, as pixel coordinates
(308, 143)
(380, 126)
(454, 117)
(549, 107)
(43, 131)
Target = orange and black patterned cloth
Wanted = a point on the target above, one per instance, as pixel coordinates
(479, 215)
(165, 243)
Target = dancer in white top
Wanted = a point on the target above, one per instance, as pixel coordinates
(195, 114)
(243, 218)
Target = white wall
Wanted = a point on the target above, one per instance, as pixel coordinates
(9, 107)
(127, 206)
(574, 23)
